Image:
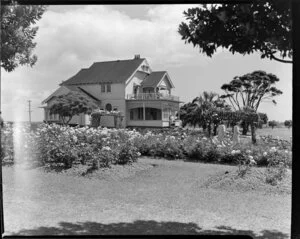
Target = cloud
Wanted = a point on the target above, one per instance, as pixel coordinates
(73, 37)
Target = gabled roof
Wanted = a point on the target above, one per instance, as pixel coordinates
(106, 72)
(153, 79)
(70, 88)
(81, 91)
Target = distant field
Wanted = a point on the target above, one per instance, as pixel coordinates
(283, 133)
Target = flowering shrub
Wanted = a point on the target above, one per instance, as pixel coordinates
(274, 174)
(128, 153)
(244, 166)
(64, 146)
(7, 149)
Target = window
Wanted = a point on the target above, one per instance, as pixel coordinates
(136, 114)
(140, 113)
(102, 88)
(108, 88)
(153, 114)
(108, 107)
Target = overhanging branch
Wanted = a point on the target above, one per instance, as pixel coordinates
(280, 60)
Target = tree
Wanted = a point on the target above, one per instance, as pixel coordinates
(187, 115)
(288, 123)
(272, 124)
(71, 104)
(248, 91)
(262, 25)
(263, 119)
(198, 111)
(17, 34)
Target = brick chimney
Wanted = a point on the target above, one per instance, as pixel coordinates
(137, 57)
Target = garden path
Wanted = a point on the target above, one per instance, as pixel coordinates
(165, 199)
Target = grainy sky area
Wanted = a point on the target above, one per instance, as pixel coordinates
(73, 37)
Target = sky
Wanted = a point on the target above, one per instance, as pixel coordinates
(73, 37)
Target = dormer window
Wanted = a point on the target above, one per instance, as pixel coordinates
(145, 68)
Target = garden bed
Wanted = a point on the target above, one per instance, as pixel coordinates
(254, 180)
(114, 172)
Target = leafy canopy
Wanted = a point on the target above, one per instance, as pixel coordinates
(273, 123)
(17, 34)
(264, 26)
(249, 90)
(288, 123)
(198, 112)
(71, 104)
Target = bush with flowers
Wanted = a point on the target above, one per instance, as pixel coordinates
(7, 149)
(64, 146)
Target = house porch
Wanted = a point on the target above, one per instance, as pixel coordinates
(157, 113)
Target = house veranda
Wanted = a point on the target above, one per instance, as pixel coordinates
(151, 109)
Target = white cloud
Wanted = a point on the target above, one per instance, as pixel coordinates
(71, 38)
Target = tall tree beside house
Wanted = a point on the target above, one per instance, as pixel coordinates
(263, 26)
(71, 104)
(248, 91)
(17, 34)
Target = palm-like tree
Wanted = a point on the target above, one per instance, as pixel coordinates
(198, 112)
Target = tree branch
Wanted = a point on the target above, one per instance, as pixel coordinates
(280, 60)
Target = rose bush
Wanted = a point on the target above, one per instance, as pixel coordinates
(64, 146)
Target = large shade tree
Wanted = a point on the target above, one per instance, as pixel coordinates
(17, 34)
(71, 104)
(263, 26)
(248, 91)
(251, 89)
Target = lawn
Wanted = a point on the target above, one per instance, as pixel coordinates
(150, 197)
(283, 133)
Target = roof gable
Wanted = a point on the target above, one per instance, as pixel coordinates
(155, 78)
(106, 72)
(64, 89)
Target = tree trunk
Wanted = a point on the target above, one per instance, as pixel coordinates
(253, 133)
(209, 129)
(215, 129)
(245, 127)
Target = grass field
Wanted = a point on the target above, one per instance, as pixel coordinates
(160, 197)
(283, 133)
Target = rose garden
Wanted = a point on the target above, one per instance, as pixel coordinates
(62, 147)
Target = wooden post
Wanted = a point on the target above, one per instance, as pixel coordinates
(144, 112)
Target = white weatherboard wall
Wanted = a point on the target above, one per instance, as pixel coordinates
(137, 77)
(116, 98)
(165, 82)
(135, 80)
(117, 91)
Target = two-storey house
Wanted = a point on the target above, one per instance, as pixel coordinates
(142, 95)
